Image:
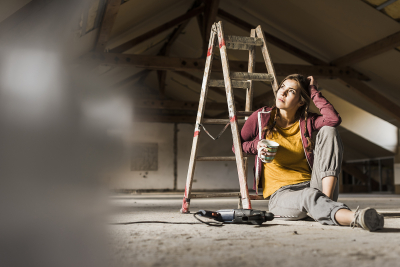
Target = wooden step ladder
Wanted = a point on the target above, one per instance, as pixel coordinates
(231, 80)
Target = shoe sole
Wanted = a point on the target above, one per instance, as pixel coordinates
(371, 220)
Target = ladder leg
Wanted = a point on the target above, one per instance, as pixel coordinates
(200, 113)
(233, 119)
(267, 58)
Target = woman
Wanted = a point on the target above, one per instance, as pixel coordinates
(303, 176)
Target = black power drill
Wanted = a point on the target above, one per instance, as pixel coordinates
(243, 216)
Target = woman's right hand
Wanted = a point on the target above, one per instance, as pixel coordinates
(262, 145)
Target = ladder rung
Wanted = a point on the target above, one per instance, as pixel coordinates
(235, 84)
(236, 46)
(252, 76)
(209, 195)
(244, 113)
(243, 40)
(232, 158)
(220, 121)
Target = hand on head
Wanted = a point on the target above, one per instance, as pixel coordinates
(313, 81)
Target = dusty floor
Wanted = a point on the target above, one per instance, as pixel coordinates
(275, 243)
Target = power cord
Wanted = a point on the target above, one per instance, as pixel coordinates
(208, 223)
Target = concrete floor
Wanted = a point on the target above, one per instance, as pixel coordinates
(275, 243)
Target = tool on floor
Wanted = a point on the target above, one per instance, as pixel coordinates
(239, 216)
(231, 80)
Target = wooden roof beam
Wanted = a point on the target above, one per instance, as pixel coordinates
(376, 48)
(193, 64)
(373, 96)
(164, 118)
(166, 49)
(178, 105)
(131, 78)
(166, 26)
(110, 14)
(217, 90)
(270, 38)
(209, 17)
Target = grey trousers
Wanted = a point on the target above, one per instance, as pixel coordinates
(307, 197)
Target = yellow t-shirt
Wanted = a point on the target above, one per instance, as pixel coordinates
(290, 165)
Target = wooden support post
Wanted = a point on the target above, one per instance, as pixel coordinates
(175, 156)
(210, 15)
(161, 74)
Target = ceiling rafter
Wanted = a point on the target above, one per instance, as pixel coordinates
(270, 38)
(193, 64)
(131, 78)
(166, 49)
(166, 26)
(110, 14)
(371, 50)
(178, 105)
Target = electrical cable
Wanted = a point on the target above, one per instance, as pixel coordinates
(208, 223)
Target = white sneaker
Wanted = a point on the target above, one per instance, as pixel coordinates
(368, 219)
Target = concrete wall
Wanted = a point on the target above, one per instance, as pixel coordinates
(208, 175)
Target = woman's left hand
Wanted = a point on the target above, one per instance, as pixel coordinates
(313, 81)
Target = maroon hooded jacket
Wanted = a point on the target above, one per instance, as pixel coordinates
(251, 131)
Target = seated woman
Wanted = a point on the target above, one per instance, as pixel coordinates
(303, 176)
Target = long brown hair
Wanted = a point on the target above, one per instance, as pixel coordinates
(302, 111)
